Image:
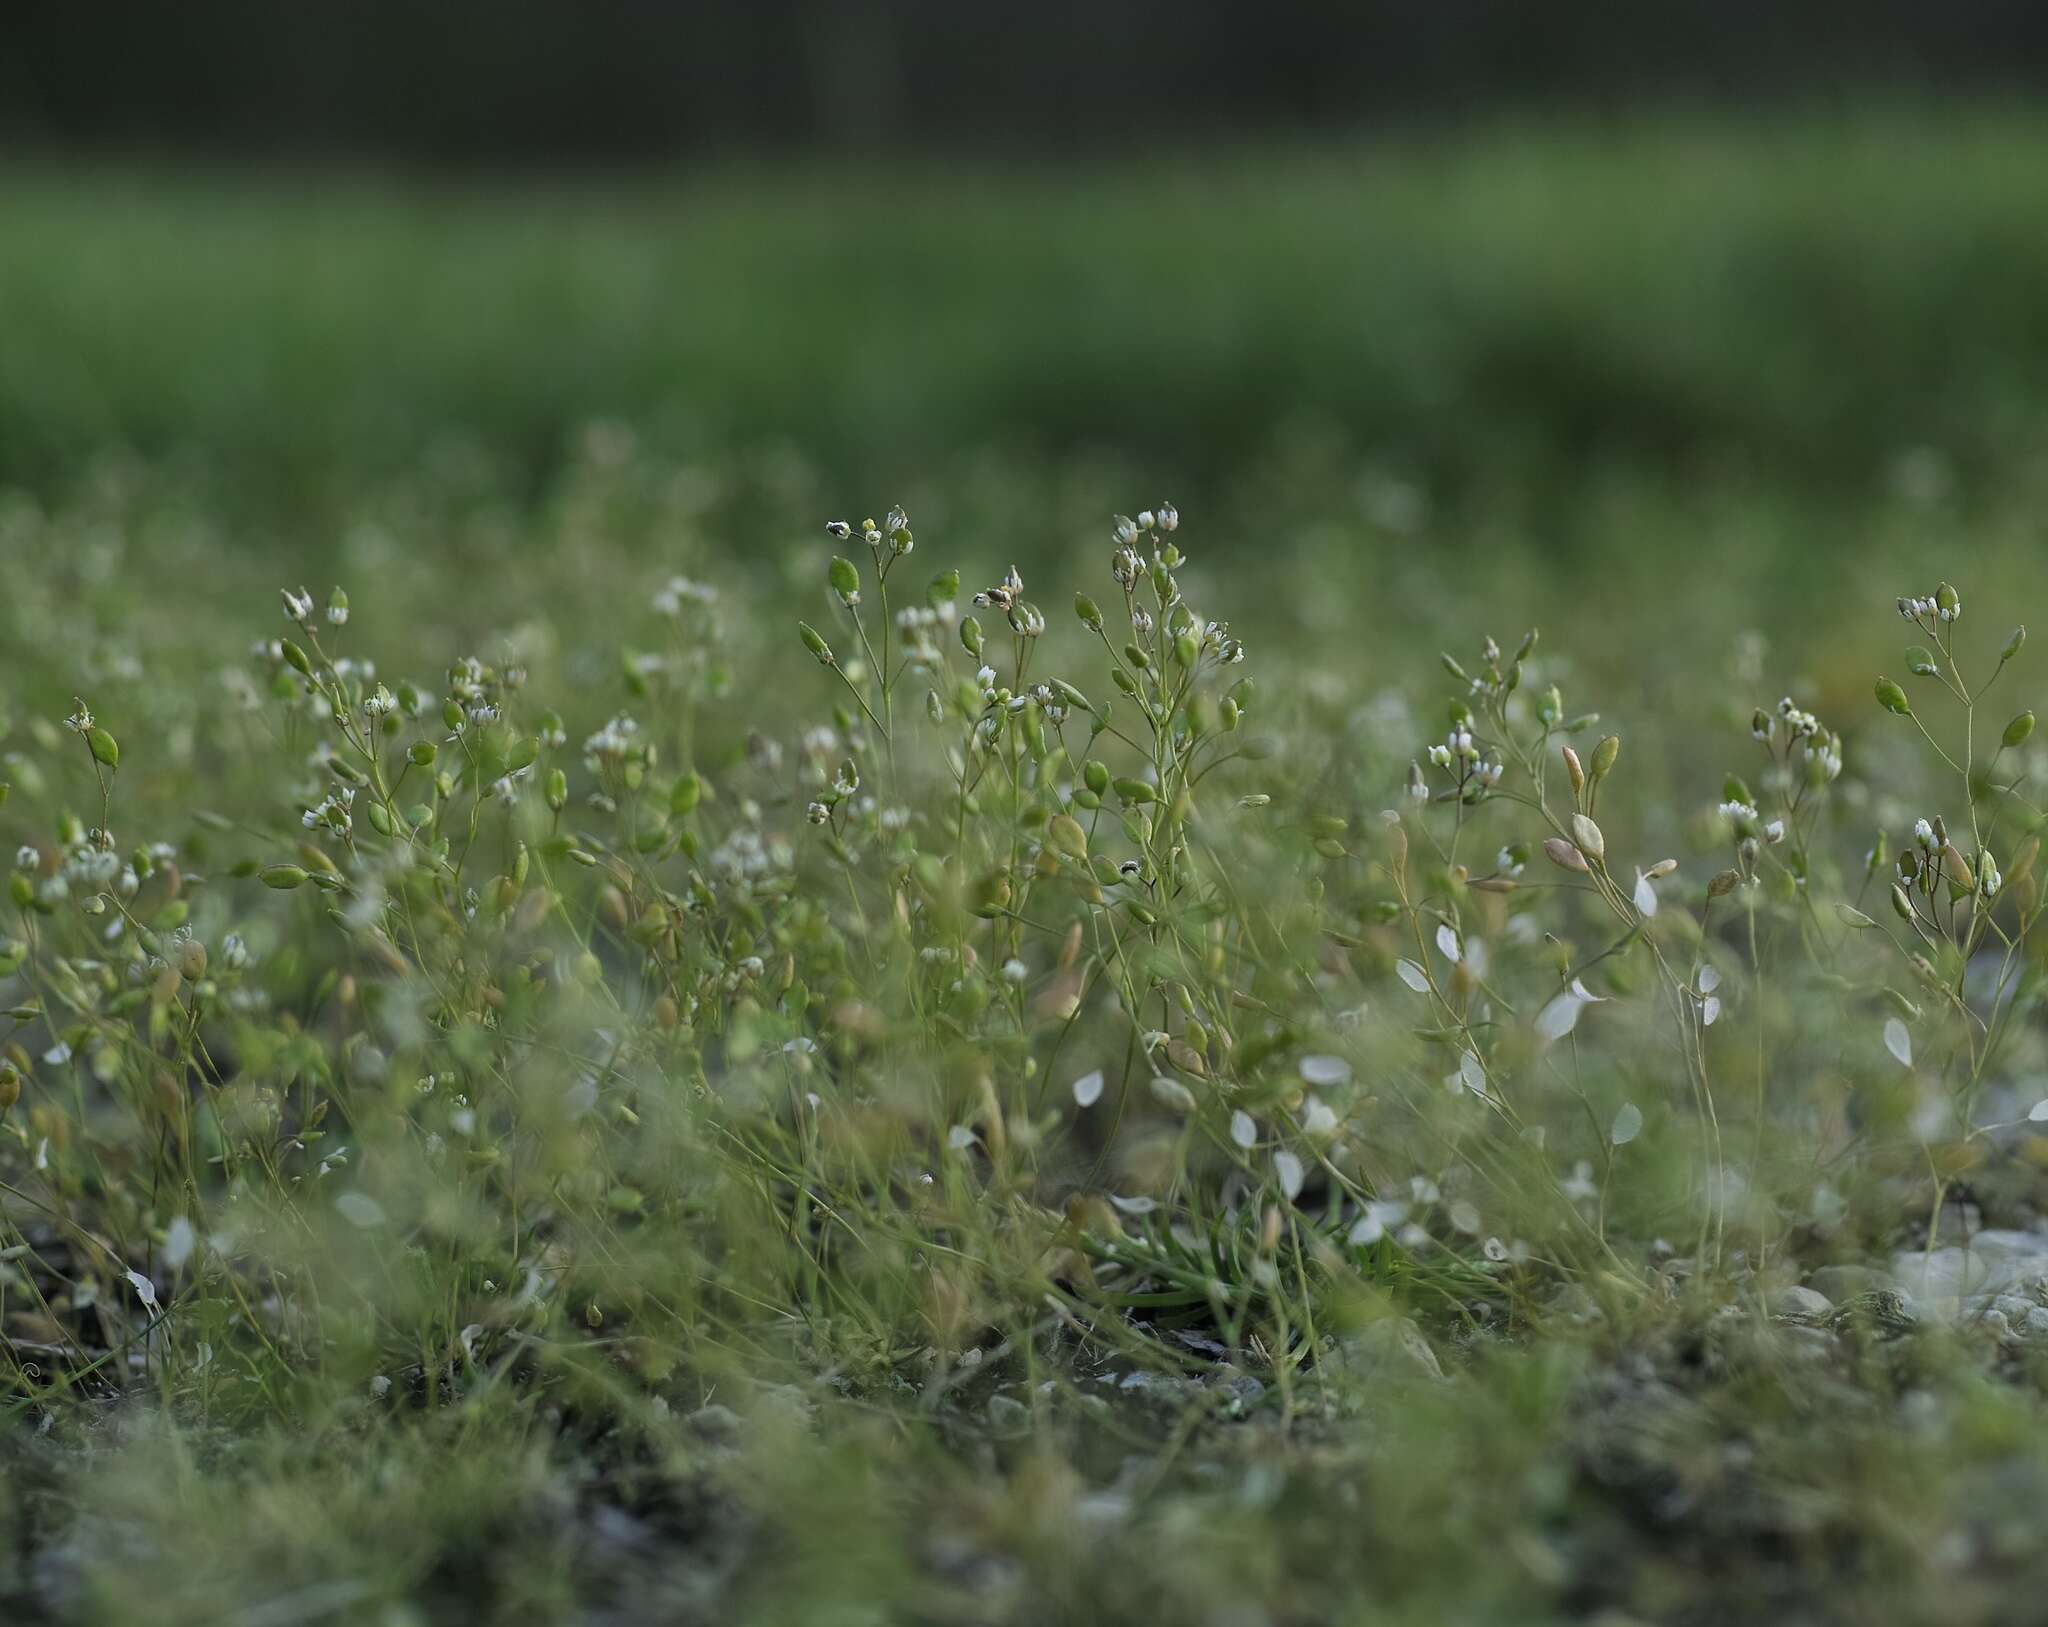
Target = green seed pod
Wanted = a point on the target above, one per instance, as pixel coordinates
(2012, 645)
(1451, 666)
(451, 714)
(379, 817)
(283, 877)
(686, 793)
(1724, 883)
(557, 791)
(297, 657)
(1135, 791)
(844, 577)
(814, 641)
(1946, 598)
(1095, 775)
(103, 748)
(2018, 729)
(421, 753)
(1185, 650)
(1892, 698)
(1091, 618)
(1227, 712)
(1902, 906)
(970, 637)
(1604, 755)
(944, 589)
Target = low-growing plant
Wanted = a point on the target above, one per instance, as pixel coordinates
(1053, 999)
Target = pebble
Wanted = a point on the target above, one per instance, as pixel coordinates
(1801, 1305)
(1840, 1282)
(1996, 1261)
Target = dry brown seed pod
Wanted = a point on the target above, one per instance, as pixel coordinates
(1566, 857)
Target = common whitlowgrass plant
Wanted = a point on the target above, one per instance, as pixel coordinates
(1052, 991)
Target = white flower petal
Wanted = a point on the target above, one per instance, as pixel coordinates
(960, 1137)
(1447, 943)
(1413, 975)
(1710, 1011)
(2039, 1114)
(1243, 1130)
(1088, 1089)
(180, 1238)
(1325, 1070)
(145, 1290)
(1288, 1168)
(1710, 980)
(1646, 895)
(1473, 1074)
(1898, 1041)
(1134, 1206)
(1560, 1017)
(1627, 1125)
(360, 1209)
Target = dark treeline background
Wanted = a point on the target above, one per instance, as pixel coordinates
(611, 81)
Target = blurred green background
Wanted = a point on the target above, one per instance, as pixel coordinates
(1696, 339)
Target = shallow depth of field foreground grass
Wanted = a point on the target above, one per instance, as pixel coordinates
(1450, 1033)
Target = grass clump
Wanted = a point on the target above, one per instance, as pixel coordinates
(1064, 1094)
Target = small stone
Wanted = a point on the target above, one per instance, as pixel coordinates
(1805, 1305)
(2036, 1324)
(716, 1423)
(1840, 1282)
(1393, 1341)
(1811, 1342)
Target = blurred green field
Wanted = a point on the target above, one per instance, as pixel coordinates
(1675, 376)
(1793, 302)
(727, 1233)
